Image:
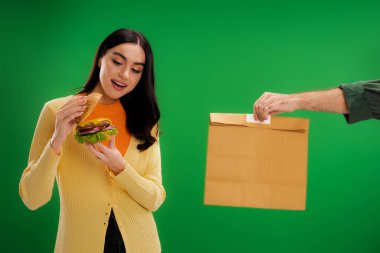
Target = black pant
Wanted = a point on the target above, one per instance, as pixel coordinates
(114, 242)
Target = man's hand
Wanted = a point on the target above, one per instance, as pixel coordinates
(331, 100)
(272, 103)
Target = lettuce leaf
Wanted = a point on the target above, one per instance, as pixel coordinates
(95, 137)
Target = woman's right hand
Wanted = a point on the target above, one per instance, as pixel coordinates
(65, 121)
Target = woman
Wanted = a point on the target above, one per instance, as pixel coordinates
(107, 192)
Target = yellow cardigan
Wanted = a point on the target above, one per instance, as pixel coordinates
(88, 190)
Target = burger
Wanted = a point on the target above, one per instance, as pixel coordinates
(93, 130)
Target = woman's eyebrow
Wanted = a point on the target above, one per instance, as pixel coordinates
(125, 58)
(119, 54)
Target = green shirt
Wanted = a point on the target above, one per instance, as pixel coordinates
(363, 100)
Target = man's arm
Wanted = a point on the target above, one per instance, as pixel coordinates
(332, 100)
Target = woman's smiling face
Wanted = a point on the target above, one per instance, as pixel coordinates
(121, 69)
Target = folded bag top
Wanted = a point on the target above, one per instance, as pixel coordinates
(277, 122)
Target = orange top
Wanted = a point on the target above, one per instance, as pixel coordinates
(116, 113)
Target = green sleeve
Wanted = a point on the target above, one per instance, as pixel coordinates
(363, 100)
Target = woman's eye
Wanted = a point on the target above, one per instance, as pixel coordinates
(116, 62)
(136, 71)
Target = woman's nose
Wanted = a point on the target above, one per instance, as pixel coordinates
(124, 73)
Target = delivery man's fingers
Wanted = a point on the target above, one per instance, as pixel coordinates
(255, 111)
(256, 108)
(265, 107)
(267, 110)
(261, 105)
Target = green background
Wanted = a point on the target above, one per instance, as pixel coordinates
(210, 56)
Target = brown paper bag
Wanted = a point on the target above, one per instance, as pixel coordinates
(256, 165)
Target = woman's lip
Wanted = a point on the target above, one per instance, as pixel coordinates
(118, 87)
(115, 80)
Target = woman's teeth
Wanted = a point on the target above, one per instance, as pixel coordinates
(119, 84)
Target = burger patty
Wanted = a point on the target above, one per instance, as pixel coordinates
(92, 128)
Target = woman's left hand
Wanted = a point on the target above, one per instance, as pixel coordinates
(110, 155)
